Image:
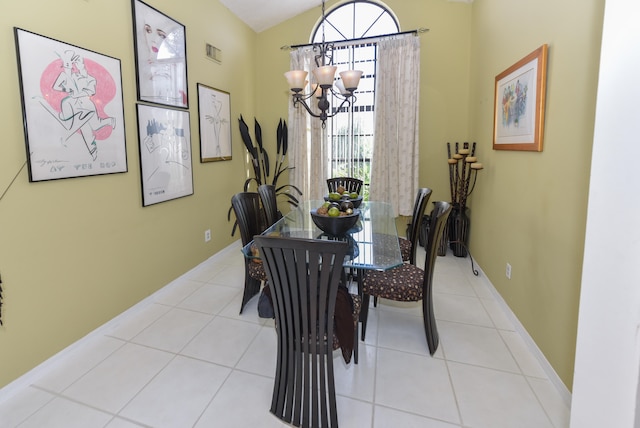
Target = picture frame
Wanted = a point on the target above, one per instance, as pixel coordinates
(166, 169)
(72, 107)
(214, 111)
(519, 104)
(160, 56)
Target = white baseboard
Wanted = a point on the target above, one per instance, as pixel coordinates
(562, 389)
(29, 378)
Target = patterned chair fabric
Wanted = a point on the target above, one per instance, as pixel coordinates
(402, 284)
(409, 283)
(405, 248)
(256, 271)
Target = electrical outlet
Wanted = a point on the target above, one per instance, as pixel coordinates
(207, 235)
(508, 271)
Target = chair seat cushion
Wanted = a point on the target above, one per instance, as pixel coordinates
(402, 284)
(405, 248)
(256, 271)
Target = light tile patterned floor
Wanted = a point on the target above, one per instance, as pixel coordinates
(185, 358)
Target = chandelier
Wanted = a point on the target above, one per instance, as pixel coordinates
(323, 85)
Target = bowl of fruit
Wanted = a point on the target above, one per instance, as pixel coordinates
(335, 218)
(342, 195)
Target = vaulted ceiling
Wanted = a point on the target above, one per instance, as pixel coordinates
(263, 14)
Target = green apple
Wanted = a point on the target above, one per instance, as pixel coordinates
(333, 212)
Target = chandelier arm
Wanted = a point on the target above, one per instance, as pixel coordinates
(297, 101)
(337, 110)
(299, 97)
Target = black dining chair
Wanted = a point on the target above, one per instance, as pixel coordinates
(350, 184)
(409, 245)
(251, 221)
(305, 276)
(267, 194)
(409, 283)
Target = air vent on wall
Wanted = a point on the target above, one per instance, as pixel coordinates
(213, 53)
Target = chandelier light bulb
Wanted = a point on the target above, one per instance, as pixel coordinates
(351, 79)
(296, 79)
(325, 75)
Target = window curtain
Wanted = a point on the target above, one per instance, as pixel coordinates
(394, 169)
(307, 140)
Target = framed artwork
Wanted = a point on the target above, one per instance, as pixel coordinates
(72, 108)
(165, 154)
(161, 57)
(519, 104)
(215, 124)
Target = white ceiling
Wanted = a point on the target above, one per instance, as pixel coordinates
(263, 14)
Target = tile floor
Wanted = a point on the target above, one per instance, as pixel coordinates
(185, 358)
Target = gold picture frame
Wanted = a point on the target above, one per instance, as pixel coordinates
(519, 103)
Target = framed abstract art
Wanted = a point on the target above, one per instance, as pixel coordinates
(519, 104)
(72, 107)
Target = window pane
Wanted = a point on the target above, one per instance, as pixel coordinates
(350, 132)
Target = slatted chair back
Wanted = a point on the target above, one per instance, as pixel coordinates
(251, 221)
(413, 232)
(304, 275)
(267, 194)
(249, 215)
(350, 184)
(438, 222)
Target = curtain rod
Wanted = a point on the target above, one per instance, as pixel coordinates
(371, 38)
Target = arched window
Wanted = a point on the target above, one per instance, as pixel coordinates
(351, 132)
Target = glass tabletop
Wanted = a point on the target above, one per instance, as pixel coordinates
(373, 240)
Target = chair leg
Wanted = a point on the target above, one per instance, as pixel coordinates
(430, 327)
(364, 314)
(355, 344)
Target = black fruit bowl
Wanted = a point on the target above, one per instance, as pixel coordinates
(356, 202)
(335, 226)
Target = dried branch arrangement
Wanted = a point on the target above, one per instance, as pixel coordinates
(463, 168)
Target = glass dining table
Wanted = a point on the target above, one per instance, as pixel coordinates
(373, 241)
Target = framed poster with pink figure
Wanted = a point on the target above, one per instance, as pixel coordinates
(161, 57)
(72, 108)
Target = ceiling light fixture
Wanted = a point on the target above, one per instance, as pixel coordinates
(323, 85)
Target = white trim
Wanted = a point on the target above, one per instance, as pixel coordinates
(559, 385)
(27, 379)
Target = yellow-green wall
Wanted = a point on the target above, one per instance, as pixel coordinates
(75, 253)
(528, 209)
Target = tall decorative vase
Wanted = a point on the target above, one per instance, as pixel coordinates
(444, 240)
(458, 226)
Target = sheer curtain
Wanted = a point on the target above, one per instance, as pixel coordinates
(307, 140)
(394, 169)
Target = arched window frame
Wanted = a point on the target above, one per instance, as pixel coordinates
(350, 133)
